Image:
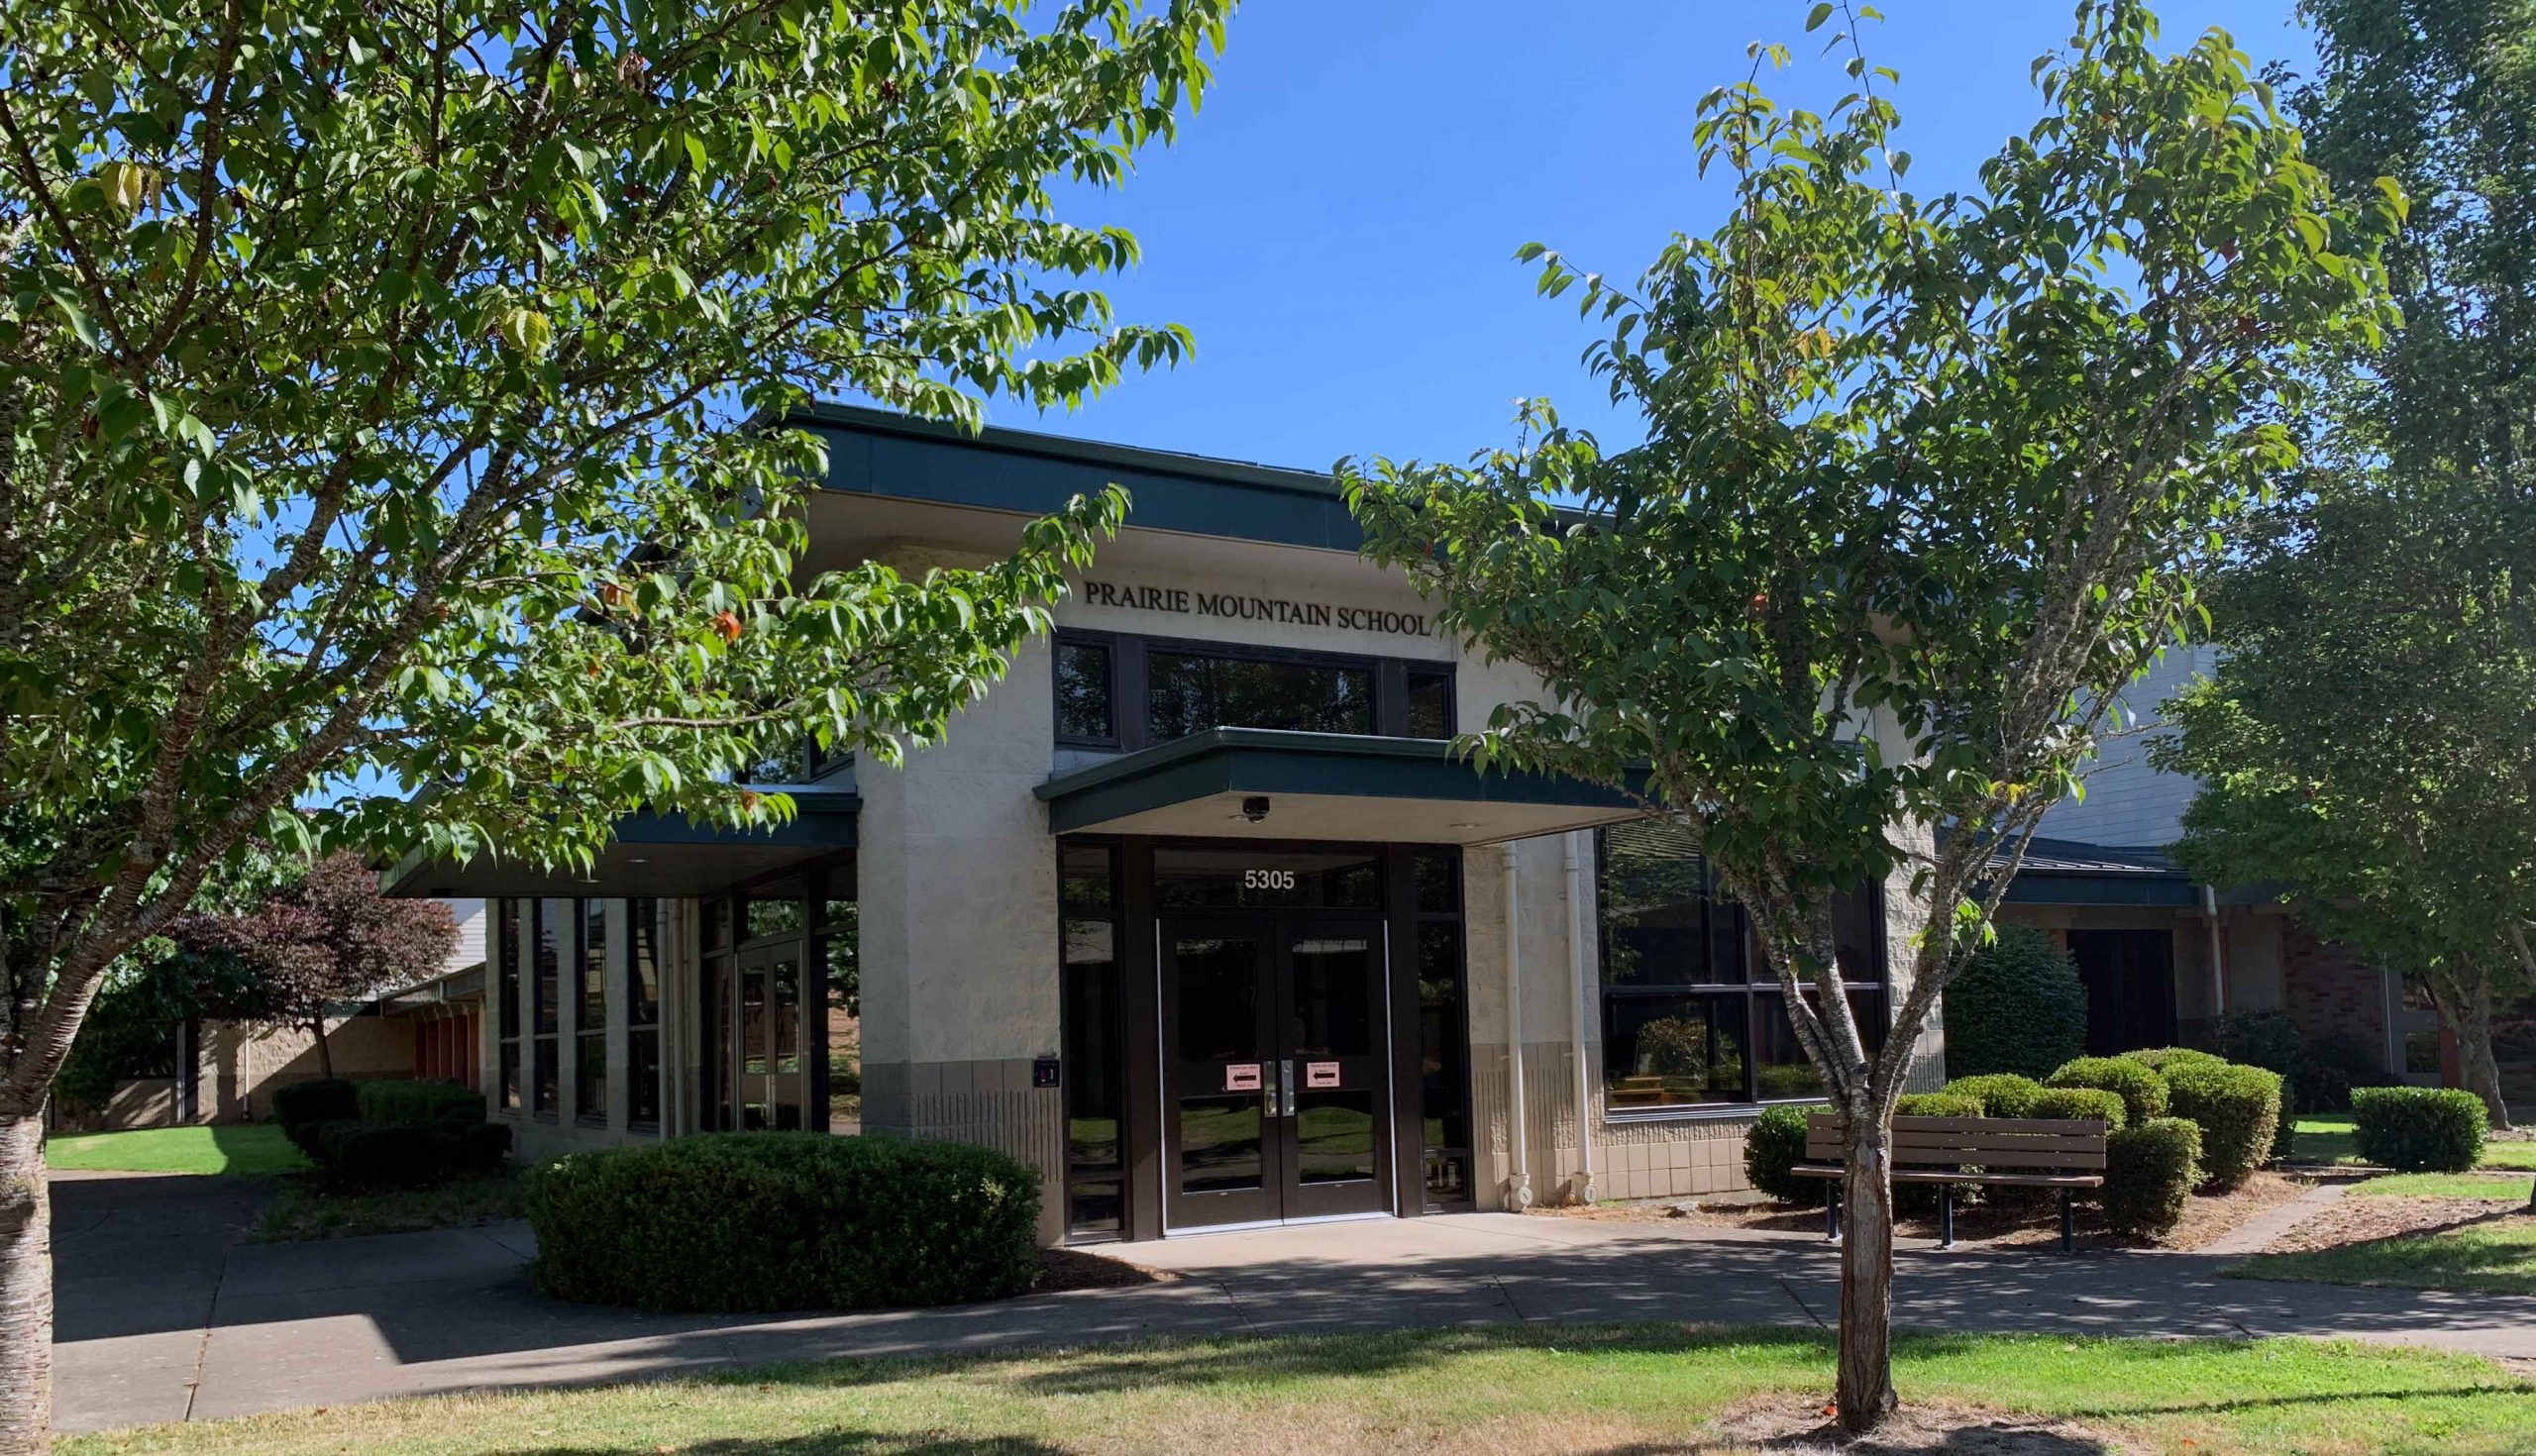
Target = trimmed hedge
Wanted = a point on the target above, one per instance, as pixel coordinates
(2143, 1091)
(2016, 1006)
(2418, 1129)
(2150, 1171)
(784, 1220)
(2237, 1108)
(1775, 1144)
(2165, 1060)
(2000, 1094)
(2078, 1104)
(356, 1157)
(1936, 1105)
(324, 1099)
(418, 1102)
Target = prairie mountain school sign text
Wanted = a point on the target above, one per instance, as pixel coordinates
(1234, 604)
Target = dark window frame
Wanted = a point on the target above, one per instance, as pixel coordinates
(642, 930)
(1108, 642)
(1130, 719)
(1757, 986)
(510, 945)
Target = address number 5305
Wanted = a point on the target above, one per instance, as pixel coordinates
(1267, 879)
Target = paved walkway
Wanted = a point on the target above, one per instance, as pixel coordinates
(167, 1315)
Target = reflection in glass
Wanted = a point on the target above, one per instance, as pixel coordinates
(1335, 1136)
(1442, 1062)
(752, 1024)
(1084, 878)
(1190, 692)
(1220, 1143)
(784, 976)
(1333, 980)
(772, 915)
(1083, 690)
(1674, 1050)
(1231, 878)
(1431, 704)
(1662, 924)
(1219, 1000)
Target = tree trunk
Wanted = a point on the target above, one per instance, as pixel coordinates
(26, 1291)
(1865, 1389)
(2475, 1064)
(325, 1053)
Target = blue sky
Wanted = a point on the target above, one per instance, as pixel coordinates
(1337, 225)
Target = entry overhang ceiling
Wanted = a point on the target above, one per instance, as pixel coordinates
(653, 855)
(1321, 785)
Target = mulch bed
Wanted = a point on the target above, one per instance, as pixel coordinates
(1075, 1269)
(2033, 1223)
(1785, 1427)
(2360, 1220)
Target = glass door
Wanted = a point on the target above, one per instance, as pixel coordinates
(765, 1047)
(1278, 1102)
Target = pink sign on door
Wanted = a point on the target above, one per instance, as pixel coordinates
(1321, 1074)
(1241, 1076)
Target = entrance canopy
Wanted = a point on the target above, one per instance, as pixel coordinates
(661, 855)
(1320, 785)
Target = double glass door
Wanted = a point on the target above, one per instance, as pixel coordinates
(753, 1039)
(1278, 1100)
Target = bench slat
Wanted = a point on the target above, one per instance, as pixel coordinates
(2013, 1179)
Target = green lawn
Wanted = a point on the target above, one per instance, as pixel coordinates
(256, 1150)
(2494, 1258)
(1527, 1389)
(2509, 1155)
(2446, 1186)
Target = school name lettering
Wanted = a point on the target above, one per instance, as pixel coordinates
(1279, 609)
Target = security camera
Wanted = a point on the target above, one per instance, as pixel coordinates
(1255, 808)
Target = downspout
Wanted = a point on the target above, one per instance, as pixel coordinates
(2218, 951)
(1519, 1194)
(1581, 1012)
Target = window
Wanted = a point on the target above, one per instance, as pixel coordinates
(1690, 1017)
(1189, 692)
(1084, 692)
(590, 1018)
(1093, 1071)
(771, 915)
(508, 953)
(1444, 1040)
(643, 1012)
(839, 950)
(554, 932)
(1431, 704)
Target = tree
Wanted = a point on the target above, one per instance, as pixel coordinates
(312, 946)
(1925, 482)
(2365, 740)
(391, 396)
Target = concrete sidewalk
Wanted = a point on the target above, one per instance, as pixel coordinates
(170, 1326)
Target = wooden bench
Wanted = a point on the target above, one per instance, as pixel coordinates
(2003, 1152)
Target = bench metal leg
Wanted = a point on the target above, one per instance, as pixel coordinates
(1831, 1215)
(1945, 1216)
(2068, 1225)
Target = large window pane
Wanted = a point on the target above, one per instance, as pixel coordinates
(1661, 926)
(1190, 692)
(643, 1077)
(1431, 704)
(1669, 1051)
(1780, 1068)
(1443, 1063)
(1092, 1066)
(643, 964)
(1084, 709)
(554, 937)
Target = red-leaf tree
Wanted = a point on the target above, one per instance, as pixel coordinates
(328, 939)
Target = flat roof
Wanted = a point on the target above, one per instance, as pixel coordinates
(649, 854)
(1321, 785)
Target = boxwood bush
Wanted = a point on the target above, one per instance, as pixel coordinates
(353, 1156)
(2150, 1171)
(2078, 1104)
(2143, 1091)
(1936, 1105)
(2165, 1060)
(2016, 1006)
(1775, 1144)
(2237, 1108)
(302, 1104)
(2418, 1129)
(2000, 1094)
(784, 1220)
(418, 1102)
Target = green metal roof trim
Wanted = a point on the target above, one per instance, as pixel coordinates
(873, 452)
(823, 819)
(1277, 761)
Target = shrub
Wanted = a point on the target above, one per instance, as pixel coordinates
(356, 1156)
(2165, 1060)
(1775, 1144)
(2141, 1090)
(419, 1103)
(1936, 1105)
(2320, 1071)
(2149, 1174)
(2237, 1108)
(323, 1099)
(2000, 1094)
(2415, 1129)
(2016, 1006)
(2078, 1104)
(784, 1220)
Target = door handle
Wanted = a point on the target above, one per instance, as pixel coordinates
(1286, 1087)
